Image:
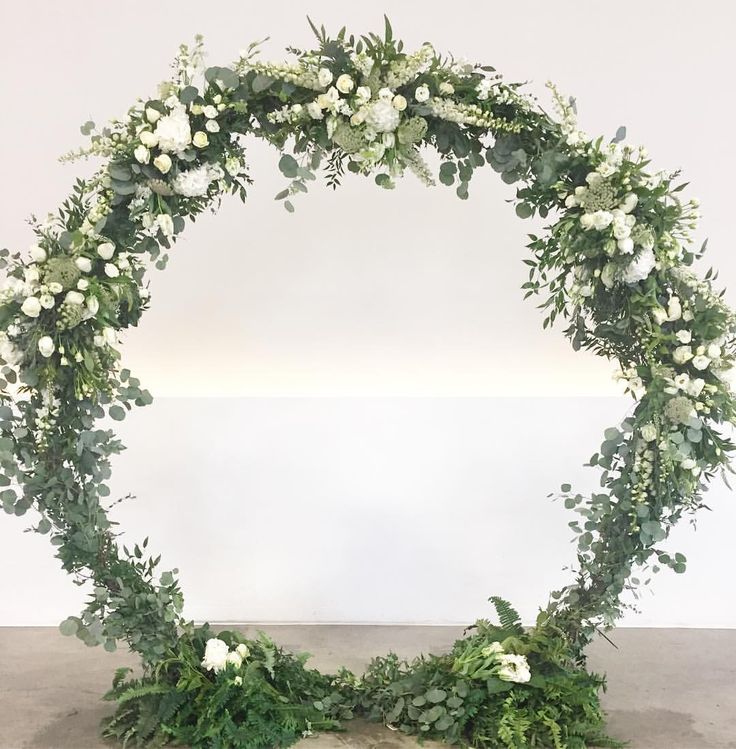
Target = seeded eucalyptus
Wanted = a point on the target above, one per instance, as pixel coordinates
(613, 263)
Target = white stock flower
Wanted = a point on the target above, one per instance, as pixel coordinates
(626, 245)
(84, 264)
(46, 346)
(215, 655)
(688, 464)
(514, 668)
(38, 254)
(422, 93)
(674, 309)
(173, 131)
(345, 84)
(385, 94)
(31, 307)
(106, 250)
(659, 315)
(162, 162)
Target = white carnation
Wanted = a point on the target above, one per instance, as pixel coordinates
(215, 655)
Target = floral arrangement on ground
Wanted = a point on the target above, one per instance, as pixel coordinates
(613, 263)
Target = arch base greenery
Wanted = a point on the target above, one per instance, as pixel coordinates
(612, 262)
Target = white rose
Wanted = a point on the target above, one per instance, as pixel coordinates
(625, 245)
(46, 346)
(84, 264)
(324, 76)
(447, 88)
(422, 93)
(111, 271)
(106, 250)
(152, 115)
(142, 154)
(38, 254)
(47, 301)
(586, 221)
(682, 354)
(215, 655)
(345, 83)
(31, 275)
(200, 139)
(31, 307)
(74, 297)
(701, 362)
(148, 139)
(714, 351)
(162, 162)
(93, 305)
(234, 659)
(242, 650)
(629, 202)
(83, 284)
(602, 220)
(212, 126)
(399, 103)
(649, 432)
(684, 336)
(210, 112)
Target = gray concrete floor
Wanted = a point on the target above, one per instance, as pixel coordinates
(667, 689)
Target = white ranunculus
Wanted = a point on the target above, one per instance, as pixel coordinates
(382, 116)
(684, 336)
(649, 432)
(152, 115)
(84, 264)
(31, 307)
(324, 77)
(215, 655)
(682, 354)
(422, 93)
(46, 346)
(142, 154)
(701, 362)
(106, 250)
(212, 126)
(209, 112)
(173, 131)
(74, 297)
(38, 254)
(162, 162)
(200, 139)
(399, 103)
(148, 139)
(514, 668)
(111, 271)
(714, 351)
(345, 83)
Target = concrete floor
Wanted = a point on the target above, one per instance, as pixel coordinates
(668, 689)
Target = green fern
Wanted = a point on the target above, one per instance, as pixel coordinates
(507, 615)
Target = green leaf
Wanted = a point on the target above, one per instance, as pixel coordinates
(117, 413)
(69, 627)
(436, 695)
(524, 210)
(261, 83)
(288, 166)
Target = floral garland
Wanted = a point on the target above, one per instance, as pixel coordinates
(613, 263)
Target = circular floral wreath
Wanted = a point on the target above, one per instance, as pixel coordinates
(612, 262)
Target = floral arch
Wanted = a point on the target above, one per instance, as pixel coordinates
(613, 263)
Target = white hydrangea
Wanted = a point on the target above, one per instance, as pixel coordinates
(639, 268)
(382, 116)
(173, 131)
(514, 668)
(195, 183)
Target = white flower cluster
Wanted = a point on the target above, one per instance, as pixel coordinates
(459, 113)
(404, 70)
(510, 666)
(195, 183)
(218, 656)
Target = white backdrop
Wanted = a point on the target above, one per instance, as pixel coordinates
(377, 449)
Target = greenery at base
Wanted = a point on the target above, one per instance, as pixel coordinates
(273, 699)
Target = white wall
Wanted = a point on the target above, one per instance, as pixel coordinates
(359, 296)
